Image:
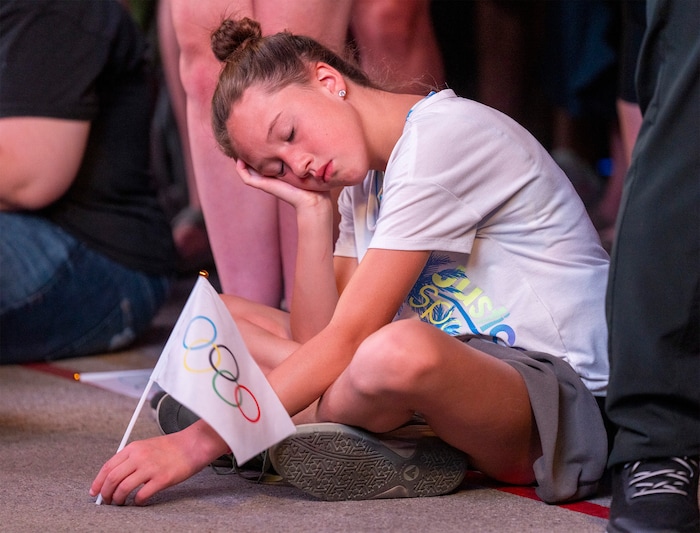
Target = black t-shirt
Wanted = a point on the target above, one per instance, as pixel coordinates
(85, 60)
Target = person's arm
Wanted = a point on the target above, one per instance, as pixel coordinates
(344, 268)
(371, 299)
(315, 294)
(39, 159)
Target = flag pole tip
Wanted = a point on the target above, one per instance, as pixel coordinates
(204, 274)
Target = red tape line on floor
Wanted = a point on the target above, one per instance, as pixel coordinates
(589, 508)
(585, 507)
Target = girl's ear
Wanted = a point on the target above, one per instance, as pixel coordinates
(329, 78)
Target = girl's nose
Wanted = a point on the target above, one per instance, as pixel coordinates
(301, 165)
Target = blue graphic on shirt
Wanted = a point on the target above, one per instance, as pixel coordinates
(445, 297)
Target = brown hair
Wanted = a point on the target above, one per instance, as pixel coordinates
(272, 62)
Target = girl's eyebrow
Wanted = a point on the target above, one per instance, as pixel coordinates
(272, 125)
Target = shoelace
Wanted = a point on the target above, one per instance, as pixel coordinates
(674, 479)
(257, 475)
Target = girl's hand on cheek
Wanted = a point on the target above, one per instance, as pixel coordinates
(299, 198)
(250, 176)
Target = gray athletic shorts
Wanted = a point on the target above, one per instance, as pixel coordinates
(569, 422)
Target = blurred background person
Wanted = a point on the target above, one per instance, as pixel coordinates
(85, 249)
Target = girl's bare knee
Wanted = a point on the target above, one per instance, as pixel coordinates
(392, 360)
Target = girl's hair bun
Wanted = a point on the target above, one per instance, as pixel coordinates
(234, 35)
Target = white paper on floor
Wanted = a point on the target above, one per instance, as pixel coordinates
(130, 383)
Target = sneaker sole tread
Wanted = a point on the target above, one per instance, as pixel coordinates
(335, 462)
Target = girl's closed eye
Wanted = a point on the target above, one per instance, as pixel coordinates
(289, 139)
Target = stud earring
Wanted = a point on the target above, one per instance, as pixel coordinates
(342, 93)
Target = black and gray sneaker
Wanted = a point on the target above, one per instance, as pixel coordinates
(336, 462)
(171, 416)
(655, 495)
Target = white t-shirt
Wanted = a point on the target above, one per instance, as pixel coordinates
(514, 255)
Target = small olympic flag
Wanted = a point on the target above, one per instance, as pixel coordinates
(206, 366)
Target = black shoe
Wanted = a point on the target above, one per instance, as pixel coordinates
(655, 495)
(171, 416)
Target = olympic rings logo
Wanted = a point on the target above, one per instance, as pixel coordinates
(219, 356)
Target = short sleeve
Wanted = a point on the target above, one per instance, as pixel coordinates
(345, 245)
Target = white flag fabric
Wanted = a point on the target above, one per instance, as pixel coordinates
(206, 366)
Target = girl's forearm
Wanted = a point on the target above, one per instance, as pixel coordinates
(315, 292)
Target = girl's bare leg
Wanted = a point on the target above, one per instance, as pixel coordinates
(472, 400)
(265, 330)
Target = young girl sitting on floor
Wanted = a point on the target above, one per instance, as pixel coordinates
(466, 288)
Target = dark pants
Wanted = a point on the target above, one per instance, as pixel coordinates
(654, 285)
(59, 298)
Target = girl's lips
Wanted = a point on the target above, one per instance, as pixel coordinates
(321, 173)
(326, 171)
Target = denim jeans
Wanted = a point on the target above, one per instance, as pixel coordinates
(59, 298)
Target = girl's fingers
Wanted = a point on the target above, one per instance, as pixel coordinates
(112, 488)
(149, 488)
(122, 474)
(293, 195)
(247, 174)
(105, 471)
(242, 169)
(129, 484)
(275, 187)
